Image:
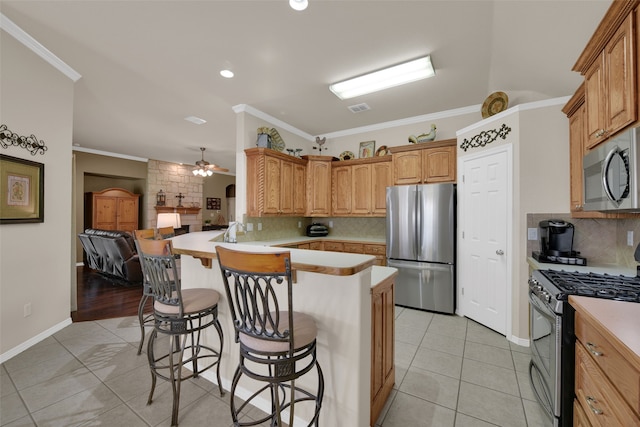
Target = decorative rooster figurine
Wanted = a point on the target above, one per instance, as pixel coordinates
(320, 143)
(425, 137)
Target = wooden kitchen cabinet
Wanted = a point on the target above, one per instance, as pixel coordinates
(341, 190)
(112, 209)
(439, 164)
(318, 188)
(607, 371)
(430, 162)
(575, 110)
(275, 183)
(333, 246)
(359, 187)
(382, 345)
(316, 246)
(407, 167)
(379, 251)
(608, 64)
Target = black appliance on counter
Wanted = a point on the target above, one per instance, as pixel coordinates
(551, 328)
(317, 230)
(556, 243)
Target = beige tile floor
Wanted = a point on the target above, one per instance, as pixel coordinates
(450, 372)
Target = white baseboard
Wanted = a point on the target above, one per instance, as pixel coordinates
(35, 340)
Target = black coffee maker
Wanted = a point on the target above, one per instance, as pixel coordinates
(556, 243)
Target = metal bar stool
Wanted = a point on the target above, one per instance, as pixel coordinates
(181, 315)
(145, 321)
(277, 344)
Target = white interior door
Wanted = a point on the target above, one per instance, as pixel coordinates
(484, 218)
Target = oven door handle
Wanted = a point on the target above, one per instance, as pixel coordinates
(545, 311)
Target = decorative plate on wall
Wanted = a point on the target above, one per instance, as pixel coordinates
(494, 104)
(347, 155)
(381, 151)
(276, 140)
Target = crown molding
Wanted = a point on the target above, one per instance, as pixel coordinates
(109, 154)
(19, 34)
(406, 121)
(516, 109)
(244, 108)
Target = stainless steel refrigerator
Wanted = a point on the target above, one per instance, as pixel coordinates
(421, 222)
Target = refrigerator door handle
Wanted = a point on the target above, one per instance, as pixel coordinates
(419, 221)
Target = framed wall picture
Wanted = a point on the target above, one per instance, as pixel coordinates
(367, 149)
(21, 190)
(214, 203)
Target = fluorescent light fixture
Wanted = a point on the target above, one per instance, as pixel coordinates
(397, 75)
(227, 74)
(298, 4)
(196, 120)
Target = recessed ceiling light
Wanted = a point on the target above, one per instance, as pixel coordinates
(397, 75)
(227, 74)
(196, 120)
(298, 4)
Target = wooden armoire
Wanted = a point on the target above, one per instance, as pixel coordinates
(112, 209)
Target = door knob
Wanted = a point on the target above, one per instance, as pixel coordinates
(499, 252)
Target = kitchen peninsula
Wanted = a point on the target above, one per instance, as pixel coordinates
(336, 289)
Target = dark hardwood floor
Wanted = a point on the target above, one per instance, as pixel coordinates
(102, 298)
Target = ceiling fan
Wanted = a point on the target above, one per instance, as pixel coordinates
(204, 168)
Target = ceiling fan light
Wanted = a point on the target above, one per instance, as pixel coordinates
(209, 173)
(397, 75)
(195, 172)
(298, 4)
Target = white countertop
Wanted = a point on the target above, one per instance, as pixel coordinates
(202, 244)
(591, 268)
(304, 239)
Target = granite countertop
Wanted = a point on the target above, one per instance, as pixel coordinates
(591, 268)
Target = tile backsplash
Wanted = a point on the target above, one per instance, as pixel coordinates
(274, 228)
(601, 241)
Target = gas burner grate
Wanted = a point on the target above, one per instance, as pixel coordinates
(622, 288)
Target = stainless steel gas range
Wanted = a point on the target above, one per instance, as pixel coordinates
(551, 329)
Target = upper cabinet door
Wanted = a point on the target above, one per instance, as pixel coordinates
(610, 86)
(620, 64)
(381, 178)
(407, 167)
(439, 165)
(361, 190)
(341, 190)
(319, 185)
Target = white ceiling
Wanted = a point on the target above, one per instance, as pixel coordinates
(146, 65)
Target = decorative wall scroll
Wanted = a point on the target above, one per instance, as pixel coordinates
(21, 190)
(485, 137)
(213, 203)
(30, 143)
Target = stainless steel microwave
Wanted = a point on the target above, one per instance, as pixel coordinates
(611, 174)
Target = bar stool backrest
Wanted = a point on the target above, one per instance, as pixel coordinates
(250, 281)
(160, 272)
(147, 233)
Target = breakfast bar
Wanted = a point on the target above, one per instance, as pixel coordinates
(334, 288)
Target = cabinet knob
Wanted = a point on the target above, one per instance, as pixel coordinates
(591, 401)
(592, 348)
(499, 252)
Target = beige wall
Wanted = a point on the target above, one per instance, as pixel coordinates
(94, 172)
(35, 259)
(399, 135)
